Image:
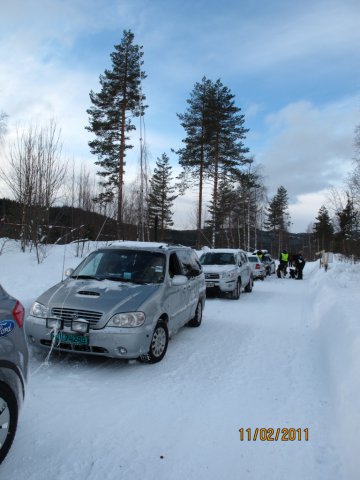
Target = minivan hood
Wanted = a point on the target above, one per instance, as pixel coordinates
(101, 296)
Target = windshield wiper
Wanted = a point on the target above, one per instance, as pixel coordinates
(93, 277)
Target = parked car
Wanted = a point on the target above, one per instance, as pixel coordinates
(269, 263)
(121, 302)
(227, 271)
(267, 260)
(258, 267)
(13, 368)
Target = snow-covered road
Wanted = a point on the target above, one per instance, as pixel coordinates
(254, 363)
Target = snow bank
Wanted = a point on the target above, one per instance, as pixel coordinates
(336, 308)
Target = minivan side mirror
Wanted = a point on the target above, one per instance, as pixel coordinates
(69, 272)
(178, 280)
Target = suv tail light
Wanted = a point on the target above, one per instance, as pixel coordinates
(257, 266)
(18, 313)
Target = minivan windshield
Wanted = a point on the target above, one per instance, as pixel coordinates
(123, 265)
(217, 258)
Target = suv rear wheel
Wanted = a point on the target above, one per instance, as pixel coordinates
(8, 419)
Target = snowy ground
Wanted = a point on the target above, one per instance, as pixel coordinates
(285, 356)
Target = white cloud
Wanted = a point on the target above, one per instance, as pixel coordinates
(305, 210)
(309, 147)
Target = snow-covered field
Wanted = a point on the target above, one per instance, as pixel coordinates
(285, 356)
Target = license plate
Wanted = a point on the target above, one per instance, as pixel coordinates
(62, 337)
(210, 284)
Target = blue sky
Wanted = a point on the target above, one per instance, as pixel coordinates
(292, 66)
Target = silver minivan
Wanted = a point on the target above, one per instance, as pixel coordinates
(123, 302)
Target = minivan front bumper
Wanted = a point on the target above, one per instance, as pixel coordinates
(111, 342)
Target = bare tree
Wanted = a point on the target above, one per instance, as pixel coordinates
(35, 173)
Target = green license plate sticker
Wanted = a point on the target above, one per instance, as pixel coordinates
(62, 337)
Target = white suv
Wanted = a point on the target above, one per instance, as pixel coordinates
(227, 271)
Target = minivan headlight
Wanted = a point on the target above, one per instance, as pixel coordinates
(39, 310)
(130, 319)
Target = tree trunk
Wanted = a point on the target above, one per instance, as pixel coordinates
(122, 155)
(215, 193)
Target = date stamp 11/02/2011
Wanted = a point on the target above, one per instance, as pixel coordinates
(274, 434)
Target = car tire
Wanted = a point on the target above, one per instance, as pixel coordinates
(158, 345)
(235, 294)
(196, 320)
(249, 286)
(8, 419)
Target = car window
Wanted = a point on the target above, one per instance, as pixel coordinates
(195, 264)
(243, 258)
(124, 265)
(190, 263)
(217, 258)
(174, 266)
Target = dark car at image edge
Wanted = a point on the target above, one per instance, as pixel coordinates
(13, 368)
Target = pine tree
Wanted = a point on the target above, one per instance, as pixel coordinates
(348, 219)
(323, 229)
(161, 196)
(119, 100)
(213, 146)
(223, 210)
(278, 218)
(193, 157)
(226, 148)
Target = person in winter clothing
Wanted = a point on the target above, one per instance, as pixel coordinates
(260, 254)
(283, 263)
(299, 262)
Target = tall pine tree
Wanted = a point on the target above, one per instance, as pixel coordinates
(193, 156)
(161, 196)
(110, 117)
(348, 219)
(323, 229)
(226, 147)
(278, 218)
(213, 146)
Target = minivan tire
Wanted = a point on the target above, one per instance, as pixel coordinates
(196, 320)
(158, 345)
(249, 286)
(235, 294)
(8, 415)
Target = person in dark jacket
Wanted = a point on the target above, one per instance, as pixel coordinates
(299, 262)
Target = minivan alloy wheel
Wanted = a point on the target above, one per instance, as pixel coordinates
(158, 345)
(158, 341)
